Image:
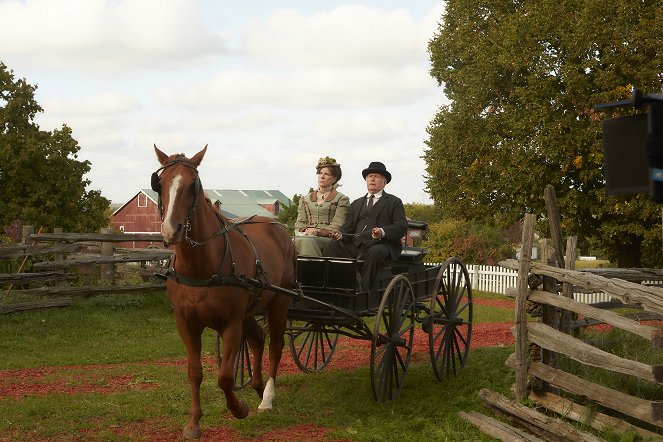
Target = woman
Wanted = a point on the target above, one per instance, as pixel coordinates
(322, 211)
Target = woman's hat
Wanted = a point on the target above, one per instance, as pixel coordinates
(327, 162)
(376, 167)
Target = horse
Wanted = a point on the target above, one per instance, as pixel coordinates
(222, 273)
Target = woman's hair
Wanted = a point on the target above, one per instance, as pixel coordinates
(332, 165)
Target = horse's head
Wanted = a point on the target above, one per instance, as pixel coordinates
(179, 189)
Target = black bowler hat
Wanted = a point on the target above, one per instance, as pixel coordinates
(376, 167)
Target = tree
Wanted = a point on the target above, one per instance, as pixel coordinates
(288, 215)
(428, 213)
(522, 79)
(41, 179)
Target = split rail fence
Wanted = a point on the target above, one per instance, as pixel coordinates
(50, 257)
(546, 341)
(48, 261)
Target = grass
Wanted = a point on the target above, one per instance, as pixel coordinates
(103, 330)
(595, 264)
(625, 345)
(139, 330)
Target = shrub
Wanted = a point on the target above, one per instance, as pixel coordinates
(472, 243)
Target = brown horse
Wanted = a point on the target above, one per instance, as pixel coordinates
(220, 276)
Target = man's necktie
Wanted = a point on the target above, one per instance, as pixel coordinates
(370, 202)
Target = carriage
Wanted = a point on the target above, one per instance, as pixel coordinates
(226, 272)
(331, 302)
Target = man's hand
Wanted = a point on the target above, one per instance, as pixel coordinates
(376, 233)
(335, 235)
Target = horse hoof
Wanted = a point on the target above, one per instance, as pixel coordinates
(264, 410)
(191, 434)
(242, 411)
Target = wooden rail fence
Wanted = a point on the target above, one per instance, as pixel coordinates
(544, 334)
(100, 266)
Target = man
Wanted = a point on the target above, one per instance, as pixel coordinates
(374, 227)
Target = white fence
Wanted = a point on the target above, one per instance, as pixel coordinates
(496, 279)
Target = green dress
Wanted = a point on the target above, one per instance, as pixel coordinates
(330, 215)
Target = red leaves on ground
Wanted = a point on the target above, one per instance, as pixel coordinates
(349, 354)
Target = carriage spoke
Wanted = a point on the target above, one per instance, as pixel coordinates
(442, 331)
(380, 350)
(450, 319)
(313, 348)
(392, 339)
(462, 309)
(459, 352)
(462, 338)
(442, 306)
(401, 362)
(443, 337)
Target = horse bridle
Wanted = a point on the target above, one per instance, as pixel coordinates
(156, 184)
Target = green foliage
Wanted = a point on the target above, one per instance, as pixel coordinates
(522, 88)
(472, 243)
(41, 179)
(428, 213)
(288, 215)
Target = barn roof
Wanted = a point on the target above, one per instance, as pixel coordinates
(247, 202)
(235, 203)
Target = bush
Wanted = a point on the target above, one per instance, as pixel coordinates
(472, 243)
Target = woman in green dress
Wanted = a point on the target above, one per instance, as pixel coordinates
(322, 211)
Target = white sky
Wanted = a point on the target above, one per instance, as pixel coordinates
(270, 86)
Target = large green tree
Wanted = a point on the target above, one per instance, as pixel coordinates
(522, 78)
(40, 176)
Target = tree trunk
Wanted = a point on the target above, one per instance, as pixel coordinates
(628, 252)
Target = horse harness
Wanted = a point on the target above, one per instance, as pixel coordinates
(258, 284)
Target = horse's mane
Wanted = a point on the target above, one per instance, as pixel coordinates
(218, 213)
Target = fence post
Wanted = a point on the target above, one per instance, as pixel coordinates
(522, 291)
(567, 288)
(58, 256)
(549, 313)
(107, 249)
(553, 222)
(27, 231)
(475, 277)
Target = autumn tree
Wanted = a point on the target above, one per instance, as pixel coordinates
(40, 176)
(522, 79)
(472, 243)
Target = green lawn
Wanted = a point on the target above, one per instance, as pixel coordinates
(131, 336)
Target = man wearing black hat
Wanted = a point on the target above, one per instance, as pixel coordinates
(374, 227)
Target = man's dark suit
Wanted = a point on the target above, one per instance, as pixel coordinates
(388, 213)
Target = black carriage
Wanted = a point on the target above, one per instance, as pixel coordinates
(332, 302)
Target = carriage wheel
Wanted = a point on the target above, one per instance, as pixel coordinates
(392, 339)
(243, 371)
(449, 325)
(311, 346)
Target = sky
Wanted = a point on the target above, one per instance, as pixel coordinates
(268, 86)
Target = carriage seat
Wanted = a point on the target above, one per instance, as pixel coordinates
(411, 257)
(412, 254)
(415, 230)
